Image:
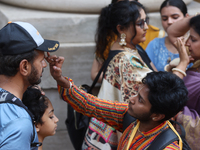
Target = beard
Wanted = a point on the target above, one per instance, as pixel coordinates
(33, 77)
(145, 117)
(142, 117)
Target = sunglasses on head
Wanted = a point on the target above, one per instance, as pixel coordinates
(142, 21)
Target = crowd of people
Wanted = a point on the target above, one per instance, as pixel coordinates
(134, 83)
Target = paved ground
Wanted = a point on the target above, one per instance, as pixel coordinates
(60, 141)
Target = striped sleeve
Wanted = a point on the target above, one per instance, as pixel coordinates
(106, 111)
(173, 146)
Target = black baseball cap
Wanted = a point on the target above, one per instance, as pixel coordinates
(21, 37)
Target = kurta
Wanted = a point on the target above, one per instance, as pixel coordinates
(111, 113)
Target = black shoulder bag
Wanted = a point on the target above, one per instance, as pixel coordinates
(10, 98)
(76, 123)
(165, 138)
(168, 136)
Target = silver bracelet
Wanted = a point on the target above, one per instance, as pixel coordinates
(179, 70)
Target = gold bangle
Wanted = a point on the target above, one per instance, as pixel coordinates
(179, 70)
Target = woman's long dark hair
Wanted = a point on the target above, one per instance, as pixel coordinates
(123, 13)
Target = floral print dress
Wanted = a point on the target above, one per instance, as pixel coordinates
(121, 81)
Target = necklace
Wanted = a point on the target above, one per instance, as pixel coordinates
(134, 51)
(170, 58)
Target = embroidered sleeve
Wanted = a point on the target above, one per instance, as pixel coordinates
(109, 112)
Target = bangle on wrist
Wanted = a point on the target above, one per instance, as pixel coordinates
(179, 70)
(70, 84)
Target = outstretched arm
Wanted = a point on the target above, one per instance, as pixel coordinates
(109, 112)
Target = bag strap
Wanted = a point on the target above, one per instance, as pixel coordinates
(181, 127)
(166, 137)
(10, 98)
(105, 64)
(127, 120)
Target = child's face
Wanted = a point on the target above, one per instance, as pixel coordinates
(49, 126)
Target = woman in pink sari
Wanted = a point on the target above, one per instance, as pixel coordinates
(189, 117)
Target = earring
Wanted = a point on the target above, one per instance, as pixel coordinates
(122, 41)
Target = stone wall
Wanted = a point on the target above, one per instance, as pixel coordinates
(75, 31)
(78, 6)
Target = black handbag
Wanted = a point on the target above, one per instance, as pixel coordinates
(76, 123)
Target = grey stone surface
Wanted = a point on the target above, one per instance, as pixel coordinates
(80, 6)
(67, 27)
(76, 35)
(60, 141)
(77, 64)
(75, 32)
(64, 27)
(86, 6)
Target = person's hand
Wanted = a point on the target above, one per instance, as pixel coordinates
(180, 45)
(55, 65)
(174, 63)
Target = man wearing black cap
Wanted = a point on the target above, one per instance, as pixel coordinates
(21, 65)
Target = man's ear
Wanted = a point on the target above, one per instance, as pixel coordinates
(24, 67)
(157, 117)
